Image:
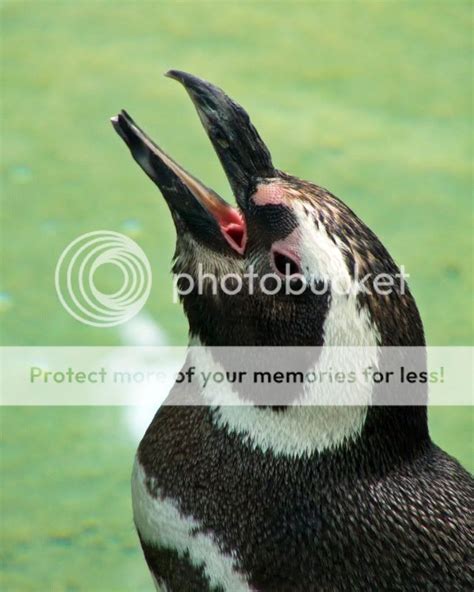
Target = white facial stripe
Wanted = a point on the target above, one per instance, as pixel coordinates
(347, 324)
(323, 259)
(159, 522)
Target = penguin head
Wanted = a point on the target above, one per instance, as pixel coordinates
(290, 265)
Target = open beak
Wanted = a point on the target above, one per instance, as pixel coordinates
(241, 151)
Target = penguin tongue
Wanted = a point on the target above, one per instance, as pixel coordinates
(199, 205)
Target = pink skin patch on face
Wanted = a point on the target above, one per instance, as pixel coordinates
(266, 194)
(287, 252)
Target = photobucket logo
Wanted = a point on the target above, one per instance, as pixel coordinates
(76, 286)
(270, 284)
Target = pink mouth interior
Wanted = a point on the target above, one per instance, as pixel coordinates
(233, 228)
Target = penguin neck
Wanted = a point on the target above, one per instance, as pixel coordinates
(319, 429)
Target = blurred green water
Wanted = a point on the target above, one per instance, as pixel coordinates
(369, 99)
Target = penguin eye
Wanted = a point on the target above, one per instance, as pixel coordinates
(285, 264)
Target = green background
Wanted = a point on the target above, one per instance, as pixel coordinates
(372, 100)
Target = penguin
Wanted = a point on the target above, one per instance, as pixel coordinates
(288, 498)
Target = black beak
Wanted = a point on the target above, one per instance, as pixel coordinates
(237, 143)
(206, 215)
